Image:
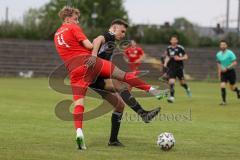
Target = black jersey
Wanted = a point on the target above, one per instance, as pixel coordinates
(106, 49)
(105, 52)
(175, 51)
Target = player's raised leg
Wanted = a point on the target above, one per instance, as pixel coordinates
(124, 92)
(132, 79)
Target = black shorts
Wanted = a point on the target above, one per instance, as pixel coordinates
(176, 73)
(98, 84)
(229, 76)
(98, 87)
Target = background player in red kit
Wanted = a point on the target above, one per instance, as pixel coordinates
(134, 55)
(75, 50)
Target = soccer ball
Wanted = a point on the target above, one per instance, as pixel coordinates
(166, 141)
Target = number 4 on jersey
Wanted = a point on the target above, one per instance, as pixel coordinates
(61, 41)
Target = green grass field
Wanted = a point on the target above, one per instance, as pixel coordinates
(29, 129)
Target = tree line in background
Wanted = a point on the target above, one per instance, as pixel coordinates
(96, 16)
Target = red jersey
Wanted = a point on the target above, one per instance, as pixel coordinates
(134, 53)
(68, 40)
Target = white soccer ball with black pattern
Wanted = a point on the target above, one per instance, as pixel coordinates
(166, 141)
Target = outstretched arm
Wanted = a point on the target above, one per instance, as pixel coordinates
(95, 48)
(97, 44)
(87, 44)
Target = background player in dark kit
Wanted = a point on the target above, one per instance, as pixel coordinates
(175, 55)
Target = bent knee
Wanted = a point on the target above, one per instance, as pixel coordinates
(223, 85)
(79, 102)
(120, 107)
(119, 86)
(171, 81)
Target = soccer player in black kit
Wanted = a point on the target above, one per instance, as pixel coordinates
(114, 91)
(175, 55)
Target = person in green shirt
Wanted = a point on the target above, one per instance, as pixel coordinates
(226, 62)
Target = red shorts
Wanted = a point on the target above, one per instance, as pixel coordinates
(81, 76)
(134, 66)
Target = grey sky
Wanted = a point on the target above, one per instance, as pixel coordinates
(202, 12)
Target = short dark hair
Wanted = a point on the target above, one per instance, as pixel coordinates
(174, 36)
(223, 41)
(120, 22)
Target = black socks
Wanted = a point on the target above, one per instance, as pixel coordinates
(185, 86)
(172, 91)
(238, 92)
(224, 94)
(116, 122)
(131, 102)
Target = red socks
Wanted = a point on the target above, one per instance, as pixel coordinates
(134, 81)
(78, 116)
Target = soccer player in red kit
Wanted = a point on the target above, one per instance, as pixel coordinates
(75, 50)
(135, 55)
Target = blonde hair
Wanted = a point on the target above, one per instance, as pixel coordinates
(68, 12)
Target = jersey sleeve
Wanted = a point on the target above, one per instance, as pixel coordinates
(182, 50)
(233, 57)
(78, 33)
(109, 37)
